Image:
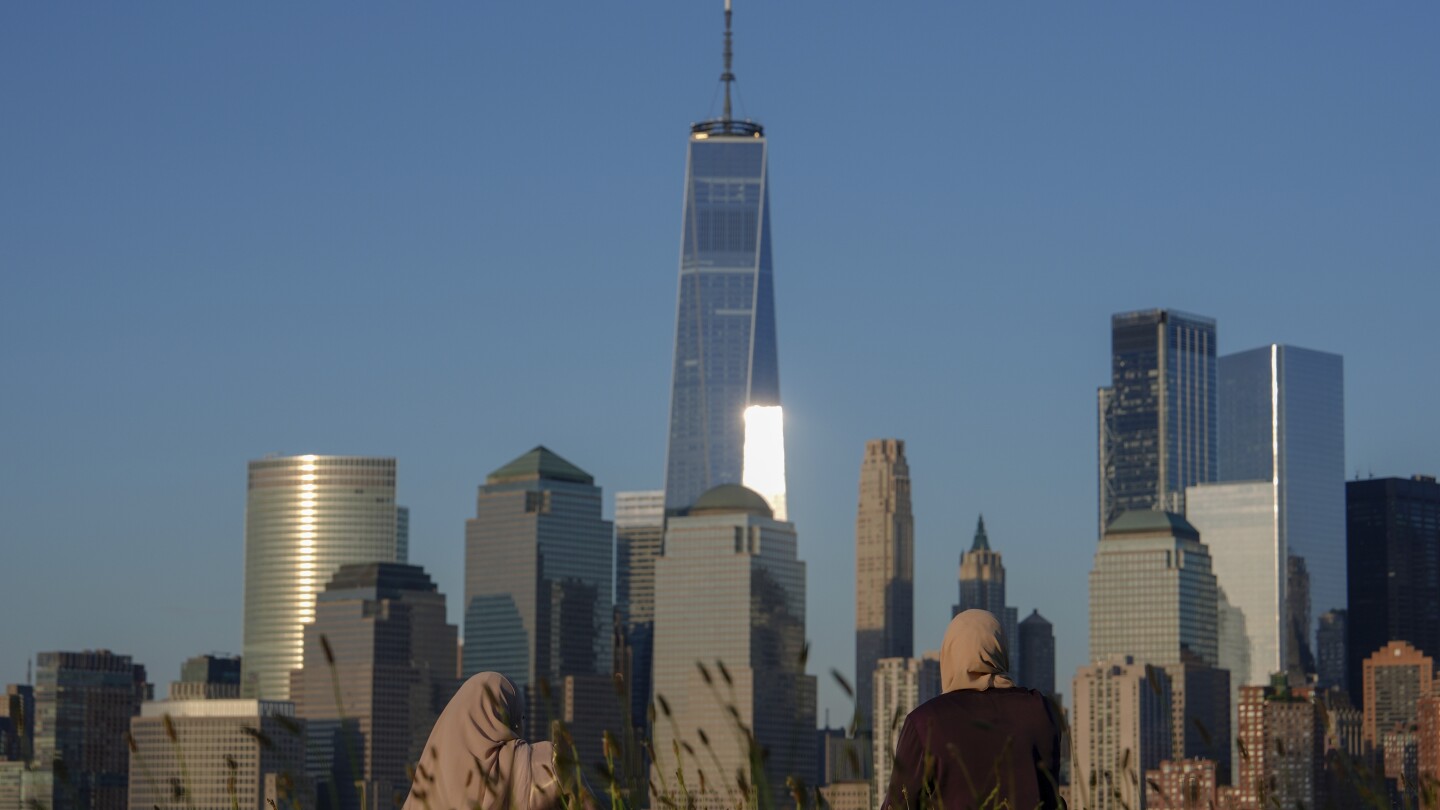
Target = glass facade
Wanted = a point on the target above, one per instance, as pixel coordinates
(725, 356)
(83, 705)
(1393, 540)
(1282, 419)
(729, 652)
(538, 564)
(305, 516)
(1157, 418)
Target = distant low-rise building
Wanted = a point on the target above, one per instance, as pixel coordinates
(1186, 784)
(230, 749)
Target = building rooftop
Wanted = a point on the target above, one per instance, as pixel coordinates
(729, 499)
(1147, 521)
(540, 463)
(388, 580)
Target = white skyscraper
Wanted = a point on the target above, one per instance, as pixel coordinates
(305, 516)
(901, 684)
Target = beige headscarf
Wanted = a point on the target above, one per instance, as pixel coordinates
(475, 759)
(973, 654)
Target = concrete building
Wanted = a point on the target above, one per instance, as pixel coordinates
(1200, 713)
(729, 649)
(982, 587)
(1185, 784)
(236, 753)
(1121, 728)
(901, 684)
(1395, 678)
(381, 642)
(1427, 732)
(1036, 658)
(25, 786)
(83, 705)
(305, 516)
(854, 794)
(1393, 553)
(17, 723)
(1152, 593)
(884, 567)
(1282, 741)
(1157, 418)
(538, 565)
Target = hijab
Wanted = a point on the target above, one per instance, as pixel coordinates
(475, 759)
(973, 654)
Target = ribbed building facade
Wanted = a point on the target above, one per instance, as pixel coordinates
(982, 587)
(884, 566)
(305, 516)
(1120, 729)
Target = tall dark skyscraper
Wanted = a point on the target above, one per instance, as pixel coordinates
(83, 705)
(1157, 418)
(1393, 551)
(1036, 656)
(725, 358)
(884, 566)
(393, 673)
(538, 564)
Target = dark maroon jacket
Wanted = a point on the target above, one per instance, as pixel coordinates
(999, 748)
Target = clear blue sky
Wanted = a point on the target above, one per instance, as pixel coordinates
(448, 232)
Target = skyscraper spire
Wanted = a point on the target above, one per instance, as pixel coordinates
(727, 77)
(982, 540)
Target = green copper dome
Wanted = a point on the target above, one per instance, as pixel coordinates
(729, 499)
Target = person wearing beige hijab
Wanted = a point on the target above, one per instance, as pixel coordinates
(475, 759)
(983, 742)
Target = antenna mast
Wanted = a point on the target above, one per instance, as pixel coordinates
(727, 77)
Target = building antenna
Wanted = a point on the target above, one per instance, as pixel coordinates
(727, 77)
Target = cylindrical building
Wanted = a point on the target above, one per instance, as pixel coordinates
(305, 516)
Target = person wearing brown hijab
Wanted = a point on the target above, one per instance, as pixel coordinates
(983, 742)
(475, 759)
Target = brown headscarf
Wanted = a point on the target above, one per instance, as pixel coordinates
(475, 759)
(973, 654)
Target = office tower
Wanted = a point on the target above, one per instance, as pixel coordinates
(402, 534)
(380, 647)
(83, 705)
(261, 739)
(1121, 729)
(1200, 719)
(538, 563)
(305, 516)
(1282, 424)
(1157, 418)
(1185, 784)
(639, 541)
(884, 567)
(25, 785)
(1393, 553)
(1037, 653)
(207, 677)
(843, 757)
(1330, 650)
(725, 357)
(982, 587)
(1395, 677)
(1152, 593)
(730, 646)
(901, 684)
(1237, 522)
(17, 723)
(1282, 735)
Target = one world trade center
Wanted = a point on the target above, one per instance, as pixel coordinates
(725, 376)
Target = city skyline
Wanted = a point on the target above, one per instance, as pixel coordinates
(257, 256)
